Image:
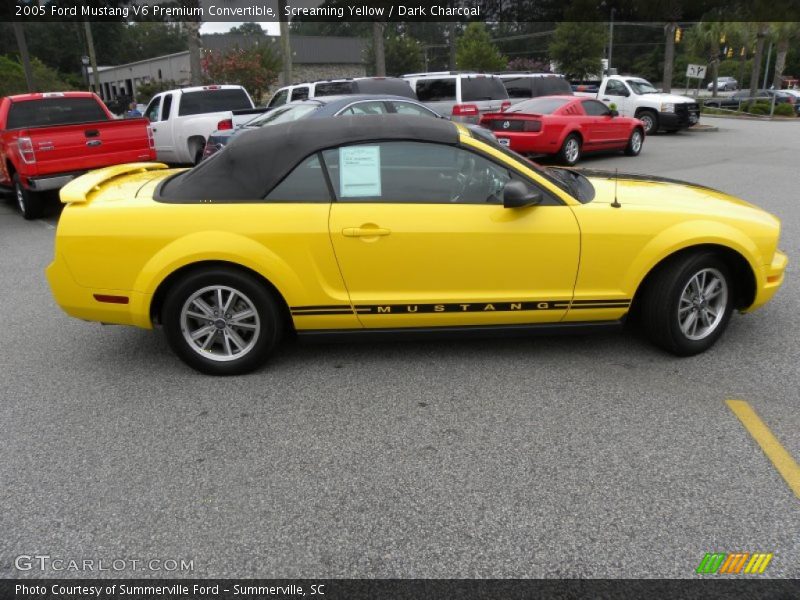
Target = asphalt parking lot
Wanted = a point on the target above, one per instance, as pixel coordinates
(550, 457)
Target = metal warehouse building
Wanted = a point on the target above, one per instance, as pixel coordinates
(314, 57)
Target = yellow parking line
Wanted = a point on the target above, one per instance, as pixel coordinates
(783, 461)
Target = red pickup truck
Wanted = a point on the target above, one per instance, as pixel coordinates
(48, 139)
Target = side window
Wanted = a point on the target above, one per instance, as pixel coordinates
(518, 87)
(300, 93)
(151, 112)
(615, 88)
(306, 183)
(279, 99)
(594, 108)
(333, 88)
(165, 110)
(414, 173)
(407, 108)
(436, 90)
(373, 107)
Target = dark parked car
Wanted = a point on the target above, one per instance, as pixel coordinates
(524, 86)
(319, 107)
(743, 96)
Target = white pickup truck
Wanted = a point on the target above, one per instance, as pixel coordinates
(637, 97)
(183, 119)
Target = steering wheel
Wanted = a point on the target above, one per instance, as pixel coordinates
(463, 178)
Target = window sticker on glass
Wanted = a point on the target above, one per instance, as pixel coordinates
(359, 171)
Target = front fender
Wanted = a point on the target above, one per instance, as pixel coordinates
(685, 235)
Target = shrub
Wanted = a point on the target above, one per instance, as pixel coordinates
(784, 110)
(757, 108)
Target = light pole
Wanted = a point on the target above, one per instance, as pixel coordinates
(610, 41)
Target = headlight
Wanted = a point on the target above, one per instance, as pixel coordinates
(668, 107)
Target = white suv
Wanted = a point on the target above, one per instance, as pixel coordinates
(385, 86)
(460, 96)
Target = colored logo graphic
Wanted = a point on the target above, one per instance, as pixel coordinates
(735, 563)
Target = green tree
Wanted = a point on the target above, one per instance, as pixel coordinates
(706, 39)
(253, 29)
(255, 68)
(12, 77)
(785, 32)
(403, 55)
(577, 48)
(476, 52)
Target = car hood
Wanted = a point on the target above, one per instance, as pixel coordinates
(673, 98)
(663, 192)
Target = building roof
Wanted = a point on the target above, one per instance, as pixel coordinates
(306, 49)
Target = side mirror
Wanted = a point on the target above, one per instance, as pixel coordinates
(517, 195)
(614, 113)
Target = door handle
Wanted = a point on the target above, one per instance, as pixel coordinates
(606, 99)
(364, 231)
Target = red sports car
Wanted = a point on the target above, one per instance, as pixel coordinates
(566, 127)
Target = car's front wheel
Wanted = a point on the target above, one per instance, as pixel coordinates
(570, 150)
(635, 143)
(650, 121)
(687, 303)
(221, 321)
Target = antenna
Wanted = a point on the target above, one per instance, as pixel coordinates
(616, 203)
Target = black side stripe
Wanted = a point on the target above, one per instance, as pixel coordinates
(461, 307)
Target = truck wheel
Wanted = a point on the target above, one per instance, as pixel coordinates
(221, 321)
(687, 304)
(650, 121)
(635, 143)
(570, 150)
(30, 203)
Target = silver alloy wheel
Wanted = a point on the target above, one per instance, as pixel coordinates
(702, 304)
(649, 122)
(20, 198)
(572, 150)
(636, 142)
(220, 323)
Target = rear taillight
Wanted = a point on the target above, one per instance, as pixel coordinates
(532, 126)
(225, 124)
(151, 142)
(26, 150)
(505, 105)
(465, 110)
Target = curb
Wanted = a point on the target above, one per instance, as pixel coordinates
(703, 129)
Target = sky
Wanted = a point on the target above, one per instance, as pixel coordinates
(269, 28)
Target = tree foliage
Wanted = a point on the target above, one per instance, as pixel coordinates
(403, 55)
(12, 77)
(255, 68)
(577, 48)
(476, 52)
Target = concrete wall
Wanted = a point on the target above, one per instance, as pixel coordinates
(125, 79)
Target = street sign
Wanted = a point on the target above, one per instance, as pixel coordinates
(696, 72)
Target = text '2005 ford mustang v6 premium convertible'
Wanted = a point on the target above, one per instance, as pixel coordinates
(395, 224)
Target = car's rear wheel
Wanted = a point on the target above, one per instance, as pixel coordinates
(650, 121)
(570, 150)
(687, 304)
(635, 143)
(221, 321)
(31, 204)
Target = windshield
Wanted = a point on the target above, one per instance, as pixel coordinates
(642, 86)
(573, 183)
(540, 106)
(283, 114)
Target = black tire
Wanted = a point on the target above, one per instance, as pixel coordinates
(661, 302)
(269, 324)
(30, 204)
(649, 120)
(198, 156)
(634, 148)
(570, 152)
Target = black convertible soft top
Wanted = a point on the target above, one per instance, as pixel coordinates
(256, 161)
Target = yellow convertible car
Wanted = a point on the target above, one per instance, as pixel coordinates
(397, 226)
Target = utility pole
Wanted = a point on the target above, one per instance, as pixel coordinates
(766, 65)
(92, 57)
(610, 42)
(379, 49)
(22, 45)
(286, 46)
